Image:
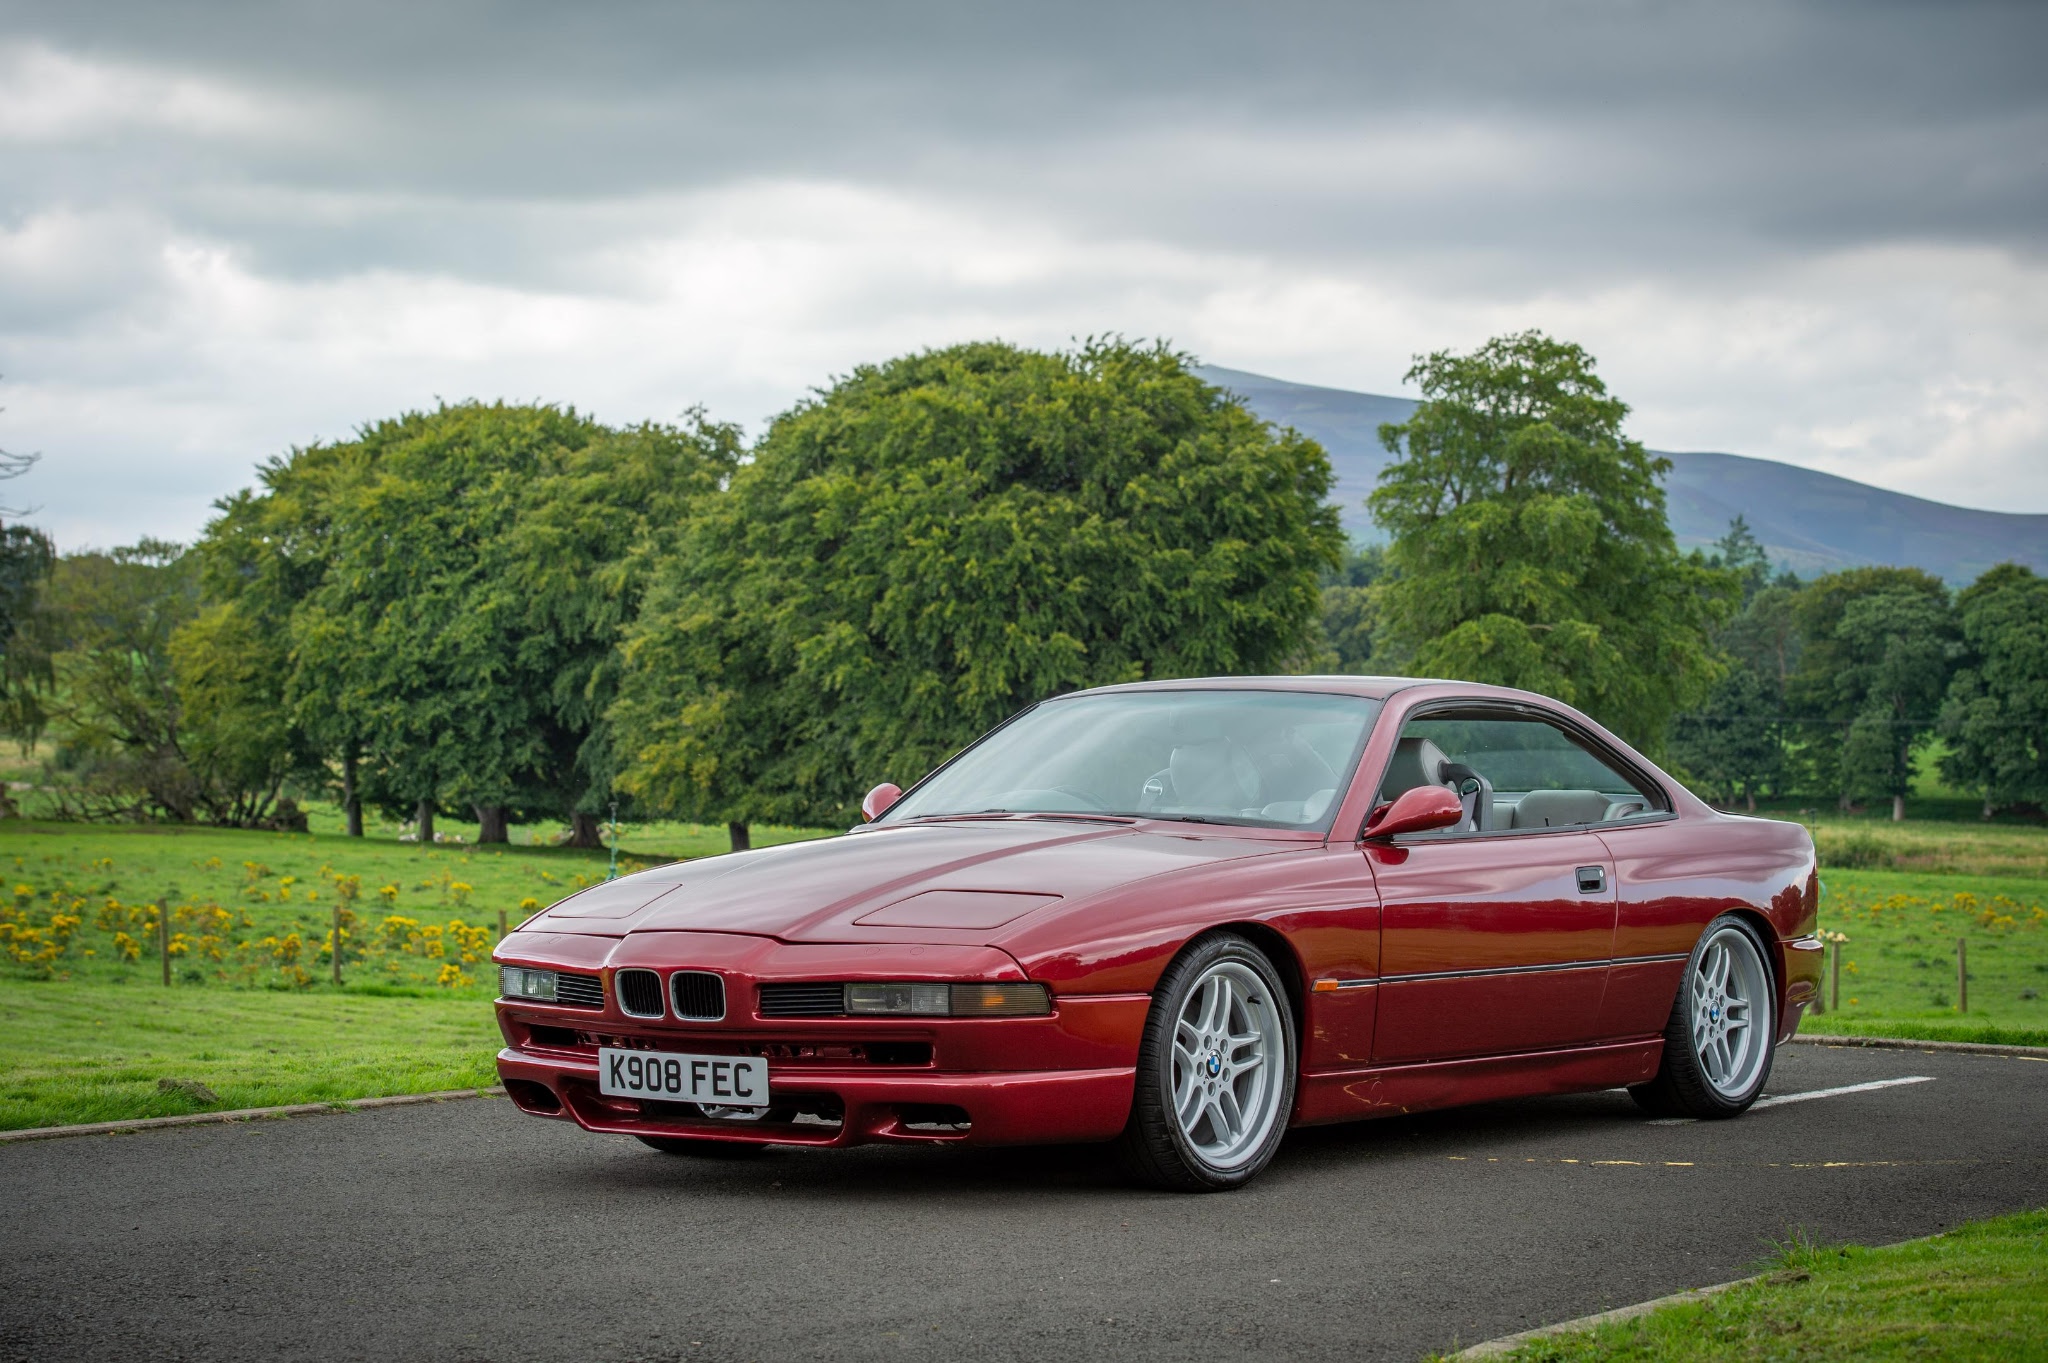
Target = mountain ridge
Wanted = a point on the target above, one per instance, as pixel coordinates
(1808, 521)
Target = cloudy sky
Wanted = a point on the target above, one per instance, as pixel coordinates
(1810, 232)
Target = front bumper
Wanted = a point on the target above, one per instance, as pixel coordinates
(1066, 1076)
(847, 1107)
(1801, 959)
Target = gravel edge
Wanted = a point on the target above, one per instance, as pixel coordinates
(244, 1114)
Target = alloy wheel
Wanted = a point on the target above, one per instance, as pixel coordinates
(1225, 1085)
(1730, 997)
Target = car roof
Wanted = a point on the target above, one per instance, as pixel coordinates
(1375, 688)
(1372, 688)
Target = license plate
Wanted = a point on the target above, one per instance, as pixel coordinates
(717, 1080)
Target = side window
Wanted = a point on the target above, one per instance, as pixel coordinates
(1514, 772)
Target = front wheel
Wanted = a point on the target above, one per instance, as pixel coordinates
(1721, 1039)
(1215, 1071)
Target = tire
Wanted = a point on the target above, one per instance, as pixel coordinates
(1722, 1036)
(1216, 1071)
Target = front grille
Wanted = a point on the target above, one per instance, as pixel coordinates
(699, 995)
(578, 991)
(803, 1000)
(639, 992)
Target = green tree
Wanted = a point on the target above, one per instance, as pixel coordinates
(261, 558)
(1733, 746)
(114, 707)
(1743, 554)
(236, 734)
(1530, 545)
(1995, 717)
(453, 585)
(1350, 611)
(1879, 645)
(937, 541)
(27, 558)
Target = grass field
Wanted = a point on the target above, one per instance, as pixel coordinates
(1980, 1292)
(1898, 964)
(88, 1030)
(100, 1052)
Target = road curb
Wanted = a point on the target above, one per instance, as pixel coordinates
(1493, 1348)
(1901, 1043)
(243, 1114)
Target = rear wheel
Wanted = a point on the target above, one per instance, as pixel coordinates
(1721, 1039)
(1215, 1071)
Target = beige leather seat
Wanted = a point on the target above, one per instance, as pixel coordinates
(1560, 808)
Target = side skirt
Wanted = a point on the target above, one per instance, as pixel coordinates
(1390, 1090)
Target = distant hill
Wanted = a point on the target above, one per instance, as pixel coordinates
(1810, 522)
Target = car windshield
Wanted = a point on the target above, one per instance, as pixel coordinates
(1270, 758)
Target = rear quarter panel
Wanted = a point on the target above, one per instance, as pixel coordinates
(1674, 877)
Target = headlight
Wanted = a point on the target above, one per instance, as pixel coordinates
(948, 1000)
(518, 982)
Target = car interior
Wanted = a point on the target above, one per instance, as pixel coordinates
(1512, 773)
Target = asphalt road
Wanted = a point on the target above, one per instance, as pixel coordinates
(466, 1231)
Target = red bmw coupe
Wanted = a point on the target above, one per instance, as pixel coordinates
(1185, 916)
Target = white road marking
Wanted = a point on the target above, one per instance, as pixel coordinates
(1846, 1088)
(1782, 1098)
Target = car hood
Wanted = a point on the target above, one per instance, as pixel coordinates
(966, 882)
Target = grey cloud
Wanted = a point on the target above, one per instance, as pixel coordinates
(1746, 126)
(1455, 166)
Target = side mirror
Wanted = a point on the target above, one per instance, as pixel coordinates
(878, 801)
(1415, 811)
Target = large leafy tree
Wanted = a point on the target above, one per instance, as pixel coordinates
(452, 585)
(1995, 717)
(1879, 646)
(1734, 745)
(1530, 545)
(937, 541)
(27, 558)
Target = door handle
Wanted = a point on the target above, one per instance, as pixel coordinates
(1592, 879)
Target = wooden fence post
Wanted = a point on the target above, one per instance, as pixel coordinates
(337, 941)
(163, 937)
(1838, 977)
(501, 925)
(1962, 975)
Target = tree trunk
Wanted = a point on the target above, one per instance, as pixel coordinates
(425, 819)
(491, 824)
(1750, 797)
(1898, 809)
(351, 801)
(1989, 810)
(583, 830)
(741, 835)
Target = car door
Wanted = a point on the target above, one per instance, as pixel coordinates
(1496, 936)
